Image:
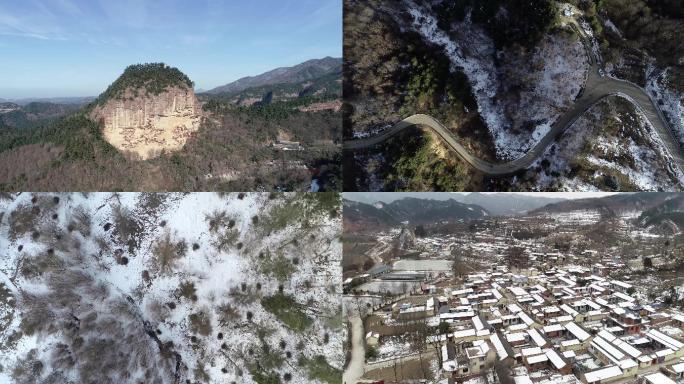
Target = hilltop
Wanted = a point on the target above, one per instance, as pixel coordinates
(149, 109)
(152, 78)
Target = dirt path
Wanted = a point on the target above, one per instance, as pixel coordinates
(355, 368)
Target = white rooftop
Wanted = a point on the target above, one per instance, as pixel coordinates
(513, 337)
(664, 339)
(578, 332)
(531, 351)
(537, 359)
(658, 378)
(522, 380)
(555, 359)
(498, 345)
(536, 337)
(552, 328)
(678, 368)
(603, 374)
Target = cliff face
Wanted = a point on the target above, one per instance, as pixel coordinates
(144, 124)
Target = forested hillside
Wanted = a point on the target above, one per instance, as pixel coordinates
(235, 148)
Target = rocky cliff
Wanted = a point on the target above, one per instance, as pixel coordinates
(144, 119)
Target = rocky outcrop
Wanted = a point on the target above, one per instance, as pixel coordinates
(406, 239)
(144, 124)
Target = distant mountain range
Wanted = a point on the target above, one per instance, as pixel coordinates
(18, 116)
(623, 202)
(53, 100)
(507, 203)
(659, 210)
(308, 70)
(414, 210)
(495, 203)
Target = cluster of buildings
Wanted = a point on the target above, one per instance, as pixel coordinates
(564, 325)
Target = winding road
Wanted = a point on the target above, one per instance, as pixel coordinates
(597, 88)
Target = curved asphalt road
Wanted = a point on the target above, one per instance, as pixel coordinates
(597, 88)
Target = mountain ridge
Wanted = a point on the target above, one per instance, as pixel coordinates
(627, 201)
(72, 100)
(414, 210)
(307, 70)
(495, 203)
(668, 214)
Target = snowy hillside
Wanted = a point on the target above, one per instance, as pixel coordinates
(669, 100)
(540, 87)
(170, 288)
(612, 146)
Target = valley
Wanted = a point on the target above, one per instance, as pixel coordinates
(581, 290)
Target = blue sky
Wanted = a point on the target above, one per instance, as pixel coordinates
(59, 48)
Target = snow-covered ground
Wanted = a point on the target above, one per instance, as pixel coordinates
(371, 132)
(671, 331)
(158, 288)
(589, 32)
(670, 102)
(644, 165)
(659, 89)
(393, 347)
(423, 265)
(546, 82)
